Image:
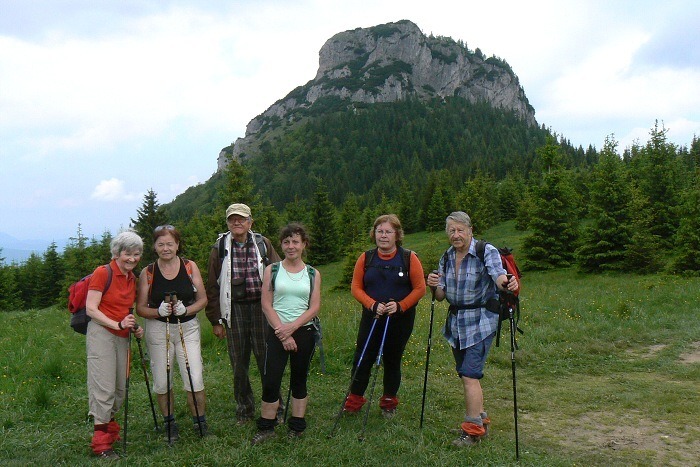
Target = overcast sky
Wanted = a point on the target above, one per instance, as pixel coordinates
(102, 100)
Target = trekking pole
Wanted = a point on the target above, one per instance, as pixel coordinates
(126, 392)
(513, 346)
(354, 375)
(148, 385)
(427, 353)
(189, 371)
(374, 380)
(319, 344)
(169, 422)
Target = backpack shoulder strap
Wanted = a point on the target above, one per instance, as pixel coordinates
(109, 278)
(407, 260)
(260, 241)
(311, 272)
(275, 268)
(149, 278)
(369, 256)
(221, 245)
(188, 269)
(480, 249)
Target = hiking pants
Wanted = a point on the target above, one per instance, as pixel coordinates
(106, 371)
(247, 333)
(299, 361)
(400, 329)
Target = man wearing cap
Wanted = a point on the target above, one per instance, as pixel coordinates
(234, 287)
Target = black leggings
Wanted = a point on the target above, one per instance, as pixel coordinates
(397, 335)
(276, 362)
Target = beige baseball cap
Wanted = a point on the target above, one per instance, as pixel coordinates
(240, 209)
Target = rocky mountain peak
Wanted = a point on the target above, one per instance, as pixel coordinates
(386, 63)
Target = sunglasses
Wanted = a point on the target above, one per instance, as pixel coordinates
(164, 227)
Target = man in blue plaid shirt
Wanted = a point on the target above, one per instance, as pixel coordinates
(471, 288)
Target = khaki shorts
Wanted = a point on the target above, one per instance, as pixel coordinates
(155, 340)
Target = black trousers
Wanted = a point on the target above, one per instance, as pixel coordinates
(299, 361)
(397, 335)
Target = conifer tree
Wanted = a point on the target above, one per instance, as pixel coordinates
(10, 297)
(657, 170)
(51, 278)
(437, 211)
(688, 237)
(324, 232)
(298, 211)
(553, 225)
(28, 280)
(644, 251)
(477, 199)
(76, 260)
(352, 229)
(604, 240)
(149, 216)
(407, 209)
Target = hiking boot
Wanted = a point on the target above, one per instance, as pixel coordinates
(262, 436)
(205, 429)
(465, 439)
(108, 455)
(174, 432)
(389, 413)
(353, 403)
(294, 435)
(242, 421)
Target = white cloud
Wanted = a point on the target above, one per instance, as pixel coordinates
(112, 190)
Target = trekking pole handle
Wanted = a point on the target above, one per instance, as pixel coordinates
(432, 287)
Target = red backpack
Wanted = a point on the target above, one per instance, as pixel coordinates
(508, 301)
(77, 296)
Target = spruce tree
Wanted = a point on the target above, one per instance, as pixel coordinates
(51, 278)
(324, 232)
(353, 228)
(604, 240)
(553, 224)
(644, 251)
(149, 216)
(477, 199)
(10, 297)
(657, 169)
(687, 240)
(407, 208)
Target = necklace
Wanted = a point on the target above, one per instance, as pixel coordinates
(295, 276)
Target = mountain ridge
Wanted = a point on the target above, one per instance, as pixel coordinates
(387, 63)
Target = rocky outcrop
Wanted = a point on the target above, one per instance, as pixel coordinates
(387, 63)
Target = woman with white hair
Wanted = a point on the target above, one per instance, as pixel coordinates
(110, 298)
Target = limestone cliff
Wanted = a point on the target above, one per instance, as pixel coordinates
(387, 63)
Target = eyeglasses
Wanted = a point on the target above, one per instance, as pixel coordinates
(238, 220)
(382, 232)
(164, 227)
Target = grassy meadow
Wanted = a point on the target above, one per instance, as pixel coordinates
(607, 374)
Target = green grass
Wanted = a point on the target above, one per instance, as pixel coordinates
(600, 381)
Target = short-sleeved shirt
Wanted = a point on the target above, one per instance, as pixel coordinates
(476, 285)
(119, 298)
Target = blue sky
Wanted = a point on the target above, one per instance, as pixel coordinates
(101, 101)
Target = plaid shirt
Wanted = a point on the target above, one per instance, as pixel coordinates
(244, 263)
(477, 284)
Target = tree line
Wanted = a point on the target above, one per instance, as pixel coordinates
(638, 211)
